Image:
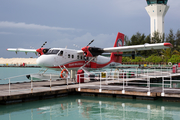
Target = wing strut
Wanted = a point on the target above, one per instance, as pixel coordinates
(83, 67)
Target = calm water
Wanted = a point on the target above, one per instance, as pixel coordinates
(91, 108)
(85, 108)
(6, 72)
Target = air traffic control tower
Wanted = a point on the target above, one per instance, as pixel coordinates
(157, 9)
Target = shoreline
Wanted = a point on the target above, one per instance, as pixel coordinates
(18, 61)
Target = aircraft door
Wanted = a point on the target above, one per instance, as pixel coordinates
(59, 57)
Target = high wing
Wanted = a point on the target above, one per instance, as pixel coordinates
(138, 47)
(135, 48)
(22, 50)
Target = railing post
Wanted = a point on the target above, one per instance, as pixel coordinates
(126, 77)
(106, 78)
(113, 76)
(149, 86)
(162, 94)
(118, 76)
(50, 81)
(79, 89)
(31, 85)
(136, 72)
(170, 80)
(9, 86)
(100, 90)
(123, 91)
(67, 82)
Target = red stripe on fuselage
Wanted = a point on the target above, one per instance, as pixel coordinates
(78, 64)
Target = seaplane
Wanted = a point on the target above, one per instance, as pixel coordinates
(64, 60)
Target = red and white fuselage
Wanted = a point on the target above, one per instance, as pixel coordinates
(71, 59)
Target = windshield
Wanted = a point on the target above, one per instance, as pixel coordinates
(52, 51)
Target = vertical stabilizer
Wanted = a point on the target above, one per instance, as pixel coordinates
(117, 56)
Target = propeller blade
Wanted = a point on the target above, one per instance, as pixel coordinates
(90, 42)
(44, 44)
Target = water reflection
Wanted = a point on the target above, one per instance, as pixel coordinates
(78, 107)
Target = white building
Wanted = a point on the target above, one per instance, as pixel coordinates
(157, 9)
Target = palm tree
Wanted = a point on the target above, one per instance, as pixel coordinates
(167, 54)
(176, 52)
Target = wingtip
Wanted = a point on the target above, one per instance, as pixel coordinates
(168, 44)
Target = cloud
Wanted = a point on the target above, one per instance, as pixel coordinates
(101, 40)
(6, 33)
(6, 24)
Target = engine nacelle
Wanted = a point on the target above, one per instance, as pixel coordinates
(42, 51)
(92, 51)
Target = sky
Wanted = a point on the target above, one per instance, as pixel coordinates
(63, 23)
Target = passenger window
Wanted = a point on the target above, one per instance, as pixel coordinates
(72, 56)
(68, 55)
(81, 57)
(77, 56)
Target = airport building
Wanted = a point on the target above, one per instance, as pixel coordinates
(157, 9)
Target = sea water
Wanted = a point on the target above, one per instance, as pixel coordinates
(76, 107)
(18, 74)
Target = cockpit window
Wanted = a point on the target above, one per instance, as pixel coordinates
(45, 50)
(60, 53)
(52, 51)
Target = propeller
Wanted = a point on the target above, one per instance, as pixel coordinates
(85, 52)
(44, 44)
(40, 51)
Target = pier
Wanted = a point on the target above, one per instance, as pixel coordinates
(146, 84)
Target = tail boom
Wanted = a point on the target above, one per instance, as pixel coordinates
(117, 56)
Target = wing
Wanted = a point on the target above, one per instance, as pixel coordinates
(138, 47)
(22, 50)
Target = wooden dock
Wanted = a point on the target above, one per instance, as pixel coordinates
(23, 92)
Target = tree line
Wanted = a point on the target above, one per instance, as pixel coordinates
(166, 55)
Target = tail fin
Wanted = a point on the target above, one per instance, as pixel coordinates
(117, 56)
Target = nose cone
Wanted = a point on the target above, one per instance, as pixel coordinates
(45, 60)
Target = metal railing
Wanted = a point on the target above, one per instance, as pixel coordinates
(133, 78)
(52, 78)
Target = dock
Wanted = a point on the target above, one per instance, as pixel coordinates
(140, 86)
